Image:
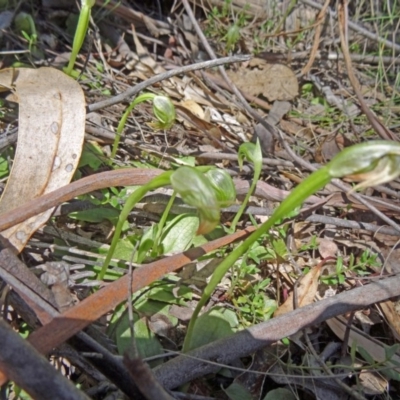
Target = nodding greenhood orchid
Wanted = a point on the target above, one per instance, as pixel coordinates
(374, 162)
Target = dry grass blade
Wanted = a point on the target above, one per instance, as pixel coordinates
(318, 30)
(380, 129)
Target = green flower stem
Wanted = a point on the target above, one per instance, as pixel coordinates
(309, 186)
(122, 122)
(163, 219)
(159, 181)
(256, 157)
(81, 29)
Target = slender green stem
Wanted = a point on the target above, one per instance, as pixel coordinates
(120, 128)
(159, 181)
(253, 153)
(81, 29)
(245, 201)
(163, 219)
(143, 97)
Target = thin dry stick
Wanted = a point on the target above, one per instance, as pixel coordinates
(318, 30)
(31, 371)
(365, 32)
(341, 384)
(165, 75)
(380, 129)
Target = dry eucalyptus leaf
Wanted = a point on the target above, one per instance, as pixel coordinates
(306, 291)
(273, 81)
(50, 137)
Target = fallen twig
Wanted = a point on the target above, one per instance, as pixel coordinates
(31, 371)
(165, 75)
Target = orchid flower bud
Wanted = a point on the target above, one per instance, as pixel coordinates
(223, 186)
(164, 112)
(252, 152)
(374, 163)
(196, 190)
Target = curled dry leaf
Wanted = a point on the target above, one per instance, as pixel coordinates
(327, 247)
(50, 137)
(273, 81)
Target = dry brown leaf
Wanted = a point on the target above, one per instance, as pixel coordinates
(306, 291)
(373, 384)
(50, 137)
(194, 108)
(204, 126)
(144, 57)
(273, 81)
(390, 310)
(327, 247)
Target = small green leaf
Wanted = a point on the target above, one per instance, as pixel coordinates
(167, 294)
(236, 391)
(92, 155)
(179, 233)
(4, 170)
(391, 373)
(270, 306)
(96, 215)
(24, 22)
(390, 351)
(124, 250)
(150, 307)
(146, 342)
(280, 394)
(213, 325)
(146, 243)
(365, 355)
(232, 37)
(280, 248)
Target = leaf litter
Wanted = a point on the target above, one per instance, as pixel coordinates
(210, 117)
